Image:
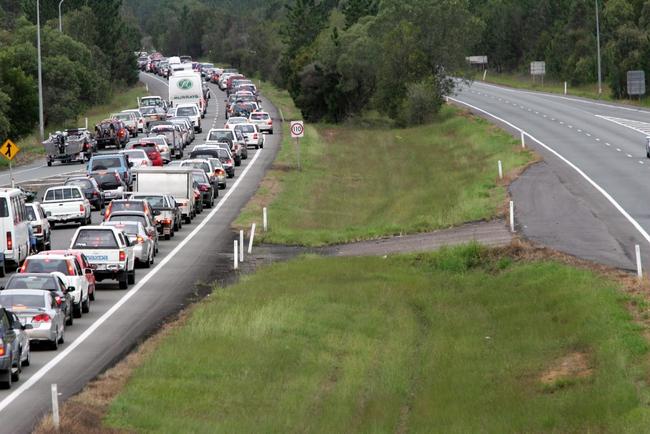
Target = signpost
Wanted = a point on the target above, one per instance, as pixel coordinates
(538, 69)
(297, 132)
(9, 150)
(636, 83)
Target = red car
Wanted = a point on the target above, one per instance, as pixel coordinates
(83, 263)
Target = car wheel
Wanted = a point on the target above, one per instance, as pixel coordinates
(52, 225)
(2, 270)
(49, 164)
(147, 263)
(76, 310)
(28, 360)
(91, 295)
(62, 337)
(131, 277)
(15, 375)
(54, 345)
(124, 280)
(257, 147)
(152, 260)
(188, 220)
(168, 236)
(70, 320)
(85, 305)
(271, 132)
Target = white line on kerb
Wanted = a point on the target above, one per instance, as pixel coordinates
(102, 319)
(601, 190)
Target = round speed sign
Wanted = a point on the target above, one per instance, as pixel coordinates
(297, 129)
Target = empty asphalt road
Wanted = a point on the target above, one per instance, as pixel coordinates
(590, 196)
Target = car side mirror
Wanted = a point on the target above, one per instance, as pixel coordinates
(156, 212)
(69, 289)
(28, 327)
(130, 164)
(48, 214)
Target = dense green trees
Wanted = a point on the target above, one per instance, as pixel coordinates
(81, 67)
(341, 57)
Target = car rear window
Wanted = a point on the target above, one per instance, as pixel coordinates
(128, 218)
(83, 183)
(246, 128)
(46, 265)
(32, 282)
(127, 206)
(95, 239)
(135, 154)
(106, 163)
(107, 181)
(22, 301)
(154, 201)
(259, 116)
(219, 135)
(62, 194)
(31, 214)
(186, 111)
(127, 228)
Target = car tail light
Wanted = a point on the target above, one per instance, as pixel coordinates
(2, 348)
(95, 194)
(255, 136)
(203, 187)
(70, 269)
(139, 239)
(10, 241)
(38, 229)
(269, 122)
(43, 317)
(58, 300)
(229, 161)
(166, 221)
(122, 255)
(197, 195)
(81, 208)
(24, 267)
(219, 172)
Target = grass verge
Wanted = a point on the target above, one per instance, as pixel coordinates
(362, 183)
(30, 146)
(464, 340)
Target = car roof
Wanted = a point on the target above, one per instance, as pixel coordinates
(49, 256)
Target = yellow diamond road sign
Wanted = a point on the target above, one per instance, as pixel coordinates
(9, 149)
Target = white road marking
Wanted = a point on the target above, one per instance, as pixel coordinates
(641, 162)
(570, 126)
(553, 119)
(638, 126)
(628, 155)
(618, 149)
(587, 134)
(536, 113)
(608, 144)
(561, 122)
(597, 139)
(601, 190)
(102, 319)
(579, 130)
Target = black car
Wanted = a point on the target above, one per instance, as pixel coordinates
(110, 183)
(10, 359)
(205, 187)
(222, 154)
(90, 189)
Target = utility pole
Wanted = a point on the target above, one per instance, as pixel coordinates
(600, 77)
(60, 20)
(41, 125)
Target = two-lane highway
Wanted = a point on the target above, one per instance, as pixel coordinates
(595, 149)
(121, 319)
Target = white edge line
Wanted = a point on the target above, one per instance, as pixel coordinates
(601, 190)
(102, 319)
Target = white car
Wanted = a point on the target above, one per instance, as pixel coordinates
(67, 268)
(191, 111)
(252, 135)
(65, 204)
(141, 122)
(130, 121)
(235, 120)
(263, 121)
(109, 251)
(138, 157)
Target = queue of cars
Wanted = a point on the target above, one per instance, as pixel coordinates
(146, 190)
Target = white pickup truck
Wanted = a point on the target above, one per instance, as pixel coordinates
(65, 204)
(109, 252)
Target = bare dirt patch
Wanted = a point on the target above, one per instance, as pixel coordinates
(570, 367)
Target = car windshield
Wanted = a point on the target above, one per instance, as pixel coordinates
(46, 265)
(22, 301)
(220, 135)
(83, 183)
(95, 239)
(106, 163)
(17, 281)
(128, 218)
(31, 214)
(154, 201)
(186, 111)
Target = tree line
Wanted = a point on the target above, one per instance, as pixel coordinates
(93, 57)
(339, 58)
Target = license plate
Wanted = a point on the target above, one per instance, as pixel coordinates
(92, 258)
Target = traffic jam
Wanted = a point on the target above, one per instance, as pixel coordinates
(148, 171)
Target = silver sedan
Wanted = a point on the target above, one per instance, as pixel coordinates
(39, 312)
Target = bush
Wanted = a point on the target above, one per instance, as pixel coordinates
(423, 100)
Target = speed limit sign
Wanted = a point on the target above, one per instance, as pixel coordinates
(297, 129)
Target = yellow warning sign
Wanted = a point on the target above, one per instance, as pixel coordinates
(9, 149)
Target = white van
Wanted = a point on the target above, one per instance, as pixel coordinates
(14, 224)
(191, 111)
(186, 88)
